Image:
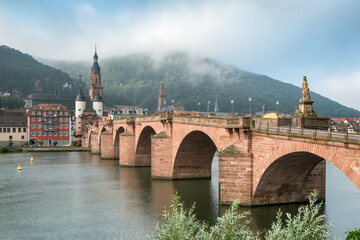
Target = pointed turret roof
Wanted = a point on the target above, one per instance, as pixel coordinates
(95, 69)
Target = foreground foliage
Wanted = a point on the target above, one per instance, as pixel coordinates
(353, 235)
(180, 223)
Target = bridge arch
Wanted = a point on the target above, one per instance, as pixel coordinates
(294, 169)
(117, 142)
(89, 137)
(291, 178)
(143, 147)
(194, 156)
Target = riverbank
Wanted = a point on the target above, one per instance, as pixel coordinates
(55, 149)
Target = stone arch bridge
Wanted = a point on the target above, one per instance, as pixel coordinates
(256, 166)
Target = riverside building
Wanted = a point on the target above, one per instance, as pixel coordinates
(49, 123)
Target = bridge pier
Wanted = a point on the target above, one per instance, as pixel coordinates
(161, 156)
(94, 144)
(235, 176)
(107, 148)
(128, 150)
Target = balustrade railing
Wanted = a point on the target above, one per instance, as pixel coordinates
(314, 133)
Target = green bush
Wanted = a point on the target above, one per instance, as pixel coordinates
(55, 143)
(306, 224)
(41, 143)
(26, 144)
(180, 223)
(73, 143)
(4, 149)
(353, 235)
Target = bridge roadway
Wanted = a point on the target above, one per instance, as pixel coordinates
(257, 165)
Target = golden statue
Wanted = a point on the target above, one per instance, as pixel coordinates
(305, 91)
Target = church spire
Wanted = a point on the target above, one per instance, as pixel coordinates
(95, 69)
(216, 107)
(95, 78)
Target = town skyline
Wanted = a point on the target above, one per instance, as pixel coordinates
(282, 40)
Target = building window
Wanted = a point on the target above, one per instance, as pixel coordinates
(39, 126)
(55, 126)
(39, 119)
(60, 126)
(66, 113)
(65, 119)
(14, 130)
(19, 130)
(41, 107)
(50, 112)
(60, 113)
(39, 113)
(0, 129)
(8, 130)
(32, 112)
(24, 129)
(44, 126)
(10, 137)
(33, 125)
(50, 134)
(33, 133)
(66, 126)
(44, 133)
(44, 113)
(39, 133)
(22, 137)
(4, 129)
(60, 119)
(33, 119)
(60, 133)
(54, 133)
(65, 133)
(57, 107)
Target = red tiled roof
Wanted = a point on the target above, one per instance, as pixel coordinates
(50, 107)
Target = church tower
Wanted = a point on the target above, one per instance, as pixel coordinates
(95, 79)
(161, 101)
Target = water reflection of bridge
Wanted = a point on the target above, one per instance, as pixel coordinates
(257, 164)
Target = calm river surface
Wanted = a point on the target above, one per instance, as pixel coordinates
(78, 196)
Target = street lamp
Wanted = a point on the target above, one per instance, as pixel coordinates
(208, 106)
(172, 101)
(250, 100)
(277, 106)
(232, 106)
(164, 104)
(199, 106)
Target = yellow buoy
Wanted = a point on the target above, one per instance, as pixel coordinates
(19, 168)
(31, 159)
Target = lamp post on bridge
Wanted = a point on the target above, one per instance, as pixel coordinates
(277, 107)
(250, 100)
(208, 106)
(232, 107)
(199, 107)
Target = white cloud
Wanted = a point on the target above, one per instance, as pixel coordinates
(343, 88)
(282, 39)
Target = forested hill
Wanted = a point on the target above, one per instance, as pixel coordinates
(22, 72)
(192, 80)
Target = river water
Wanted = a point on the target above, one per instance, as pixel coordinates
(76, 195)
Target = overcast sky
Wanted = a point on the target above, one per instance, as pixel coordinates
(282, 39)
